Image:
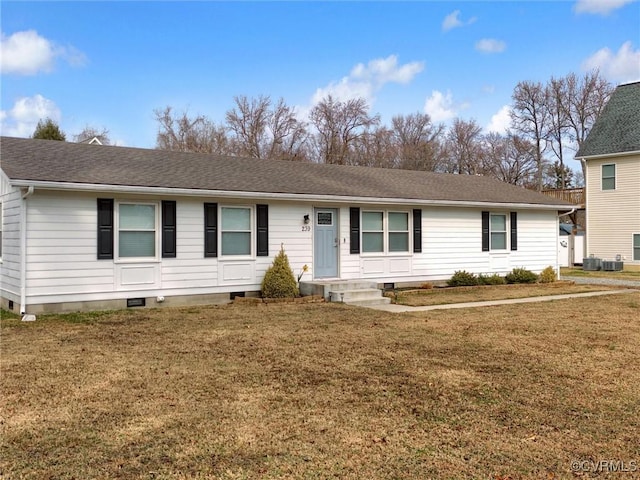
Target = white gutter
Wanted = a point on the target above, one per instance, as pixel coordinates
(23, 249)
(126, 189)
(608, 155)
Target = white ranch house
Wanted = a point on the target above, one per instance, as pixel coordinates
(92, 227)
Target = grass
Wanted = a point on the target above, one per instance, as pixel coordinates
(621, 275)
(443, 296)
(321, 391)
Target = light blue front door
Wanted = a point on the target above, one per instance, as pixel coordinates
(326, 243)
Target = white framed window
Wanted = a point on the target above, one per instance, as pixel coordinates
(398, 231)
(498, 231)
(1, 229)
(236, 234)
(636, 247)
(385, 232)
(372, 232)
(609, 176)
(137, 230)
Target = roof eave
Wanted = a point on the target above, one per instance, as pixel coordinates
(189, 192)
(606, 155)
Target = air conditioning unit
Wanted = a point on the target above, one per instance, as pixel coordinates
(612, 265)
(591, 264)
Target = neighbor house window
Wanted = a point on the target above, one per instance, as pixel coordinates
(372, 232)
(636, 247)
(137, 232)
(398, 231)
(498, 231)
(1, 229)
(609, 177)
(235, 228)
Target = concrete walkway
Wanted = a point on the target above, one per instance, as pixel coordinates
(394, 308)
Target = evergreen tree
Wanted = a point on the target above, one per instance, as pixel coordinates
(279, 281)
(48, 130)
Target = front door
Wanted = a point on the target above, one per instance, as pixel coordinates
(326, 243)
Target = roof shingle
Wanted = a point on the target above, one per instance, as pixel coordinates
(53, 161)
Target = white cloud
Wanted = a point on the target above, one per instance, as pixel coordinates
(452, 21)
(490, 45)
(440, 106)
(364, 80)
(599, 7)
(27, 53)
(623, 66)
(501, 121)
(22, 119)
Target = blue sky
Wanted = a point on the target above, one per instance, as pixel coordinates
(110, 64)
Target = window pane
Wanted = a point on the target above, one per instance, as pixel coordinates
(236, 219)
(608, 171)
(398, 221)
(372, 221)
(137, 217)
(608, 184)
(498, 223)
(372, 242)
(636, 240)
(636, 247)
(498, 241)
(236, 243)
(137, 244)
(398, 242)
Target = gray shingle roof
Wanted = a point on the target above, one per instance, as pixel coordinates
(617, 129)
(52, 161)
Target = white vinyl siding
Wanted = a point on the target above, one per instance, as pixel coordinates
(609, 176)
(1, 229)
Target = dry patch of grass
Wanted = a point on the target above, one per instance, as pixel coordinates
(322, 391)
(443, 296)
(620, 275)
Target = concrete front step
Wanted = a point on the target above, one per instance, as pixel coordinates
(359, 296)
(371, 302)
(353, 292)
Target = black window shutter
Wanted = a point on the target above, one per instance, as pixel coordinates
(105, 228)
(514, 230)
(262, 227)
(210, 229)
(168, 229)
(354, 227)
(485, 231)
(417, 230)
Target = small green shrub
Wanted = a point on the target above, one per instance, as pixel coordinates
(278, 281)
(462, 278)
(548, 275)
(521, 275)
(494, 279)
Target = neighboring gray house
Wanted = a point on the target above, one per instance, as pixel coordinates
(87, 227)
(611, 153)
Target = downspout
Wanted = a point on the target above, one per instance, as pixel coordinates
(558, 241)
(23, 249)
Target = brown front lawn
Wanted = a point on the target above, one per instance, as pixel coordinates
(620, 275)
(443, 296)
(322, 391)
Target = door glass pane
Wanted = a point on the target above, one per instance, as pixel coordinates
(398, 242)
(372, 242)
(325, 218)
(498, 223)
(236, 243)
(137, 217)
(398, 221)
(372, 221)
(498, 241)
(137, 244)
(236, 219)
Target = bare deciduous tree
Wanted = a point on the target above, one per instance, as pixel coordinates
(374, 148)
(88, 133)
(464, 149)
(512, 158)
(417, 141)
(556, 94)
(185, 134)
(530, 117)
(339, 125)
